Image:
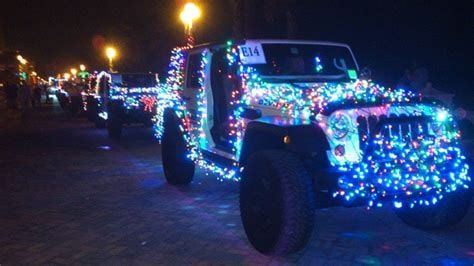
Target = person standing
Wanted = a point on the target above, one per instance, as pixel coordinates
(46, 93)
(24, 97)
(37, 96)
(11, 91)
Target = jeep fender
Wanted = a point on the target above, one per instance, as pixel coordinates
(295, 135)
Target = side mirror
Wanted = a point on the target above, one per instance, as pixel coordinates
(366, 73)
(251, 114)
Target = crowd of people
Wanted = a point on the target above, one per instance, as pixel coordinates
(24, 96)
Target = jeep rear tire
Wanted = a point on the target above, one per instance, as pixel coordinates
(277, 203)
(447, 212)
(178, 168)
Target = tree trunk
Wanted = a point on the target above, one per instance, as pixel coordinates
(238, 18)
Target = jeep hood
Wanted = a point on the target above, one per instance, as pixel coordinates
(316, 98)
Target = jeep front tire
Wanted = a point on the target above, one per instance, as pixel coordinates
(178, 168)
(277, 203)
(100, 122)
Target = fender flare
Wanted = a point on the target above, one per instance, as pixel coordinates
(292, 135)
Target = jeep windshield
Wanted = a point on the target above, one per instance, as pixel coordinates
(306, 62)
(134, 80)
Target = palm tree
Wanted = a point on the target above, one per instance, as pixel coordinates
(247, 16)
(281, 10)
(237, 11)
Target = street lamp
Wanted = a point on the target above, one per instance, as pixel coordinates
(111, 53)
(21, 59)
(73, 71)
(82, 67)
(190, 13)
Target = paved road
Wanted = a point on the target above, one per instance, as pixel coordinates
(70, 195)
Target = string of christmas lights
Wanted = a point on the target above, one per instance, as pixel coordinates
(408, 172)
(131, 98)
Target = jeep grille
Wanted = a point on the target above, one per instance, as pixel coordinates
(403, 126)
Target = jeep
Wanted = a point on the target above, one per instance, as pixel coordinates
(295, 123)
(69, 96)
(122, 98)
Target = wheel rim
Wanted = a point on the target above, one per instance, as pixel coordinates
(262, 212)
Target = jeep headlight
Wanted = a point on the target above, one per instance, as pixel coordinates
(442, 116)
(339, 124)
(440, 123)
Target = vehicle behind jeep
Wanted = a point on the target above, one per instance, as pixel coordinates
(295, 125)
(123, 98)
(70, 96)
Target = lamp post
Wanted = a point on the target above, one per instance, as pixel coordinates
(111, 53)
(189, 13)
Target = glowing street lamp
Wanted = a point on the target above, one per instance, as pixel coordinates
(190, 13)
(111, 53)
(66, 76)
(82, 67)
(21, 59)
(74, 71)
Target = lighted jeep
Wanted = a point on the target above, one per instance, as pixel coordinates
(295, 125)
(123, 99)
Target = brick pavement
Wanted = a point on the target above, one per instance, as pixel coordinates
(69, 195)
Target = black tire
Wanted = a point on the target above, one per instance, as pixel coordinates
(91, 109)
(75, 105)
(447, 212)
(277, 203)
(62, 100)
(114, 124)
(147, 121)
(179, 170)
(100, 122)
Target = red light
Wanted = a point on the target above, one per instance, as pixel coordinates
(339, 150)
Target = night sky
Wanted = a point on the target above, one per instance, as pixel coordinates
(388, 36)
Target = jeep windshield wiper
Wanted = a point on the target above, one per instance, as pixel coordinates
(304, 78)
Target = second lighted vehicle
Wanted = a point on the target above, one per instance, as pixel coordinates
(69, 96)
(293, 122)
(122, 98)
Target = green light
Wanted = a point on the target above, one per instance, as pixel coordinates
(23, 75)
(352, 73)
(83, 74)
